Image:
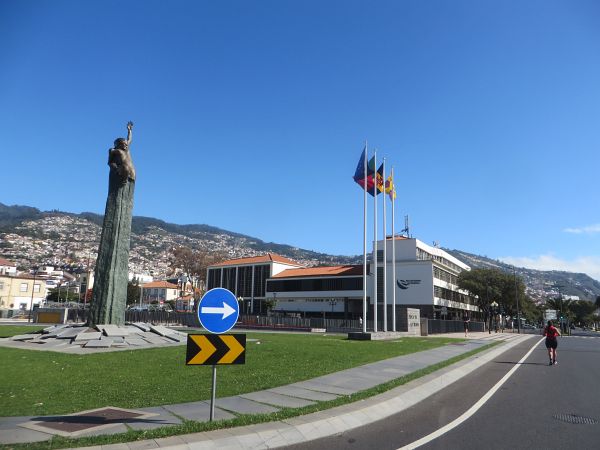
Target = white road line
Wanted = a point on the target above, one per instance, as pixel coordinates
(472, 410)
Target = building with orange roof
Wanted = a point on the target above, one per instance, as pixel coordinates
(247, 278)
(7, 267)
(158, 292)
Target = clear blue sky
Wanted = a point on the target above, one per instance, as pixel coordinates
(251, 116)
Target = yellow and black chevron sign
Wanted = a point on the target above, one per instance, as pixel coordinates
(212, 349)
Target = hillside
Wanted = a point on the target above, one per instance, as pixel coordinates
(29, 236)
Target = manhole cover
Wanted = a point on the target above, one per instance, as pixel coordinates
(79, 423)
(574, 418)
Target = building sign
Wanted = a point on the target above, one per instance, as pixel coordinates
(404, 284)
(414, 321)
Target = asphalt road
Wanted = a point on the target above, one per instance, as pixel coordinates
(534, 409)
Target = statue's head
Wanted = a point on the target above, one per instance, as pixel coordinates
(121, 143)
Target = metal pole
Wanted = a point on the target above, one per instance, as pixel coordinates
(31, 303)
(385, 328)
(517, 302)
(375, 242)
(364, 313)
(213, 394)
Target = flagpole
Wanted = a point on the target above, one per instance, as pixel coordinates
(364, 315)
(393, 255)
(375, 243)
(384, 254)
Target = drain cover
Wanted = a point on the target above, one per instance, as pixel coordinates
(574, 418)
(76, 424)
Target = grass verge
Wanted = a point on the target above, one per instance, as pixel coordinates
(195, 427)
(45, 382)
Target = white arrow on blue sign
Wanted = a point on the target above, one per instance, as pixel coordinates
(218, 310)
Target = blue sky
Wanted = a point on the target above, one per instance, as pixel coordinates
(251, 116)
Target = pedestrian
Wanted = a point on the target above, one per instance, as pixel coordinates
(551, 332)
(360, 321)
(466, 320)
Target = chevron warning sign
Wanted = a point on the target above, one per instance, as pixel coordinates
(213, 349)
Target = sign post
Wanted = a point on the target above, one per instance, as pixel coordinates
(218, 312)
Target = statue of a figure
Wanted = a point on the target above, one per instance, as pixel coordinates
(119, 158)
(109, 295)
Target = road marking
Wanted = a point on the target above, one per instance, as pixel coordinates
(472, 410)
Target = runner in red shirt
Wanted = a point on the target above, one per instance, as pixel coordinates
(551, 332)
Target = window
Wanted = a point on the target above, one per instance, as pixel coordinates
(36, 288)
(261, 273)
(23, 287)
(1, 286)
(317, 284)
(244, 285)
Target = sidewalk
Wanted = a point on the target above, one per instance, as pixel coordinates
(269, 435)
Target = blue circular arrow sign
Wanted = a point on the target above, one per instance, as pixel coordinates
(218, 310)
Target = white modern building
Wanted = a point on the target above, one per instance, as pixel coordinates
(425, 278)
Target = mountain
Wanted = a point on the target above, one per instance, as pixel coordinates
(29, 236)
(540, 284)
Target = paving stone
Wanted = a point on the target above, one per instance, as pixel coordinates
(244, 406)
(101, 343)
(23, 337)
(162, 419)
(303, 393)
(199, 411)
(155, 339)
(136, 342)
(18, 435)
(161, 331)
(319, 386)
(88, 336)
(113, 330)
(142, 326)
(70, 333)
(273, 398)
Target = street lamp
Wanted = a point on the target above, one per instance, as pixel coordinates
(494, 305)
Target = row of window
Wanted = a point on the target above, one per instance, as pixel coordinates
(240, 280)
(443, 275)
(448, 294)
(422, 255)
(316, 284)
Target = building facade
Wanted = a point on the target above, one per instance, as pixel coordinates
(158, 292)
(247, 279)
(21, 292)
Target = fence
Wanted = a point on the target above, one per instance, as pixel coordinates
(253, 322)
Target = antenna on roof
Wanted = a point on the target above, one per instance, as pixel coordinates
(406, 227)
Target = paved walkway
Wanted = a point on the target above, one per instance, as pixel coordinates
(269, 435)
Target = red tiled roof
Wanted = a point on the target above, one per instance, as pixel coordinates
(159, 284)
(328, 271)
(6, 262)
(269, 257)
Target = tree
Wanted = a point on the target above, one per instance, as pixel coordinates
(193, 262)
(133, 292)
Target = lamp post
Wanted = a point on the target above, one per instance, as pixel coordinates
(494, 305)
(32, 291)
(517, 301)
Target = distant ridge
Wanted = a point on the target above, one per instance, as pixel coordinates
(30, 236)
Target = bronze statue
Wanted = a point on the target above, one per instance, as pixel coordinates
(119, 158)
(109, 295)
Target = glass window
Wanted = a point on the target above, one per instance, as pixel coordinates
(23, 287)
(36, 288)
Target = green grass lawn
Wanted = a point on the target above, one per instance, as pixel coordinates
(13, 330)
(42, 382)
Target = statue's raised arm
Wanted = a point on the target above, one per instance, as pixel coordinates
(129, 128)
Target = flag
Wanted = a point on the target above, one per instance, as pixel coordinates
(359, 175)
(390, 189)
(375, 176)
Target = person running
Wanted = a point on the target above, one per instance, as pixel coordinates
(551, 332)
(466, 320)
